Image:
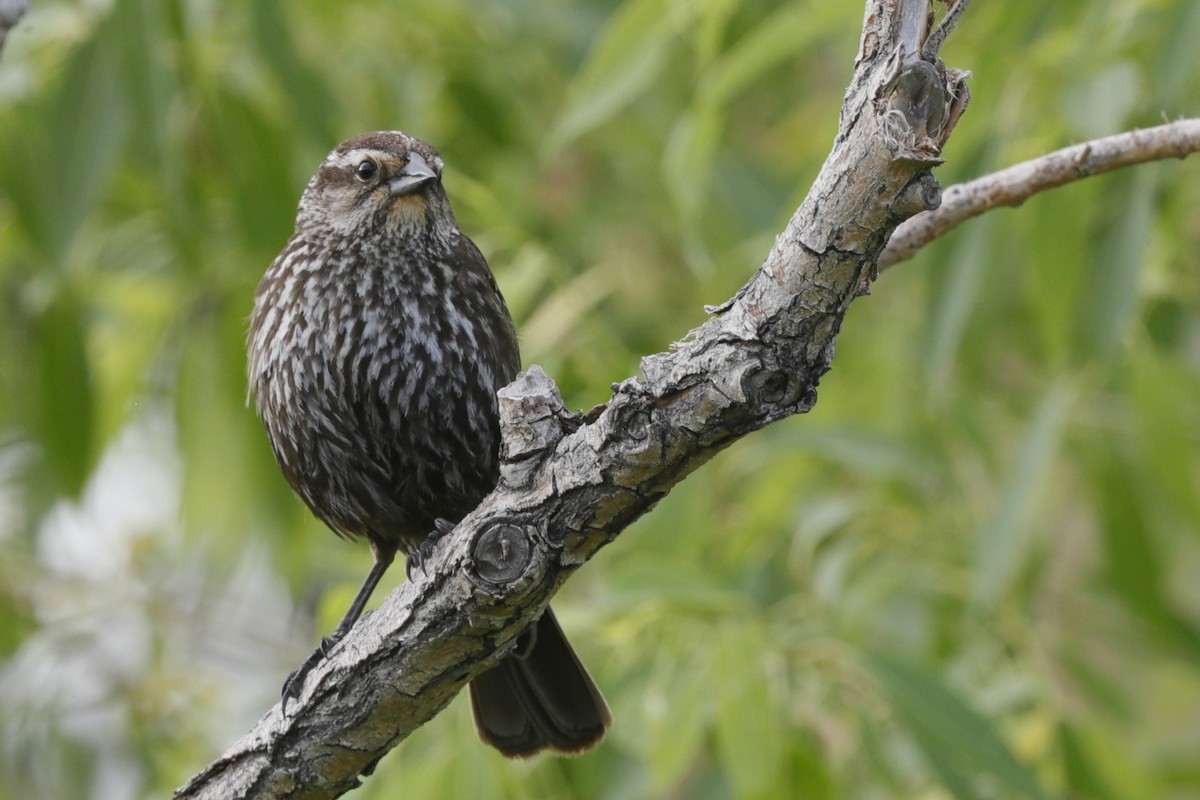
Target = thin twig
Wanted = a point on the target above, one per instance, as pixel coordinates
(933, 44)
(1016, 184)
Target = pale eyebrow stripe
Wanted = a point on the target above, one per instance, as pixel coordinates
(356, 155)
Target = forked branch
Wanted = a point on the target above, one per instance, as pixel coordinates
(570, 484)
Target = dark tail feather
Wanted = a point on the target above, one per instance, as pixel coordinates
(541, 697)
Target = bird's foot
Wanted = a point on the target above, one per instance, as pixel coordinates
(417, 558)
(293, 686)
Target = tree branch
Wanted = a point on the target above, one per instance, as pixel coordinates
(1016, 184)
(570, 485)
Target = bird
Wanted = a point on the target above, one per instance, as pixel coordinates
(377, 344)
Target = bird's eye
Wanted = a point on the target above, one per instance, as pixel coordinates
(366, 170)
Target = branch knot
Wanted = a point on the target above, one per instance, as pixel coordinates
(771, 391)
(502, 553)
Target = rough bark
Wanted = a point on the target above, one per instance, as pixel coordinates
(571, 484)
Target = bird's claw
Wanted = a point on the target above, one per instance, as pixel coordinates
(293, 685)
(417, 558)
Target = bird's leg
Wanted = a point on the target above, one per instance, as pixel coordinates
(424, 551)
(294, 685)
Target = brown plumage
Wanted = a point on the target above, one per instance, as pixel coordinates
(377, 345)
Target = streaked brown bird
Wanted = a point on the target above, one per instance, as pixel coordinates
(378, 342)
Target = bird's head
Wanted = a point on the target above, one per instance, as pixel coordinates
(386, 183)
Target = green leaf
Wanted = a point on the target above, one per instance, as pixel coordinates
(257, 151)
(1100, 104)
(688, 158)
(1004, 542)
(139, 30)
(1164, 398)
(955, 301)
(712, 25)
(692, 145)
(88, 126)
(749, 731)
(146, 42)
(678, 582)
(858, 449)
(812, 775)
(304, 87)
(1058, 267)
(1135, 567)
(625, 60)
(63, 400)
(1098, 766)
(1111, 296)
(961, 745)
(782, 36)
(677, 717)
(1174, 75)
(77, 135)
(228, 470)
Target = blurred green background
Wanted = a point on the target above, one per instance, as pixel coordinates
(970, 572)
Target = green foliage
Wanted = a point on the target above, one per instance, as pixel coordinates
(960, 745)
(969, 572)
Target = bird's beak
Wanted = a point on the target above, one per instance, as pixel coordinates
(416, 173)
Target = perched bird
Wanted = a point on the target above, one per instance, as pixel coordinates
(377, 345)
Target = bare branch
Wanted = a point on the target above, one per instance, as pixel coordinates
(933, 45)
(1016, 184)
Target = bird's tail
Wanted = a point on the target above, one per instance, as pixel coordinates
(540, 698)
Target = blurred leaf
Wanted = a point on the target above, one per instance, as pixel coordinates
(57, 170)
(1134, 567)
(88, 125)
(558, 313)
(679, 582)
(813, 777)
(1111, 296)
(147, 44)
(749, 731)
(1101, 103)
(1003, 544)
(228, 474)
(1099, 768)
(1102, 692)
(139, 26)
(955, 301)
(304, 87)
(964, 747)
(688, 156)
(623, 62)
(875, 743)
(677, 716)
(859, 449)
(712, 25)
(1165, 400)
(63, 399)
(257, 150)
(15, 617)
(1177, 58)
(1058, 268)
(781, 36)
